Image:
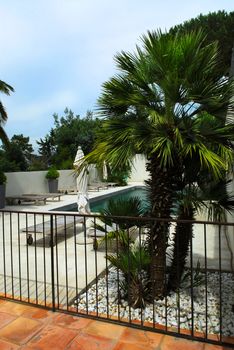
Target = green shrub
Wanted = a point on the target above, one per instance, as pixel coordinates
(3, 178)
(120, 176)
(52, 173)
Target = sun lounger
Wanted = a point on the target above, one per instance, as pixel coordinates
(111, 184)
(60, 225)
(26, 198)
(47, 195)
(96, 186)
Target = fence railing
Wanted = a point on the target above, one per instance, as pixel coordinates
(174, 277)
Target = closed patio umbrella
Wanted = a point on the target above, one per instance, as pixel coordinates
(82, 185)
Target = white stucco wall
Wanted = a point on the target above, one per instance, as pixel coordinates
(35, 181)
(139, 173)
(19, 183)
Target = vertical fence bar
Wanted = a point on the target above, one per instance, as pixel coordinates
(44, 259)
(178, 280)
(129, 281)
(35, 252)
(165, 268)
(152, 223)
(206, 289)
(66, 267)
(118, 289)
(107, 272)
(95, 257)
(12, 260)
(57, 263)
(27, 257)
(52, 260)
(19, 252)
(75, 262)
(4, 252)
(140, 273)
(192, 294)
(220, 287)
(86, 266)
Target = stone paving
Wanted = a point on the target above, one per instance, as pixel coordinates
(26, 327)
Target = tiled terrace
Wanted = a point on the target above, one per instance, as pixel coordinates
(26, 327)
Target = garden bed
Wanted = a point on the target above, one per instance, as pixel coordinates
(175, 310)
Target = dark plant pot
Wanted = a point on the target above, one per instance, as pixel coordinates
(2, 195)
(53, 185)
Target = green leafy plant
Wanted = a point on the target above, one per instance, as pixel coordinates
(133, 263)
(3, 178)
(198, 278)
(52, 173)
(120, 175)
(114, 216)
(123, 239)
(117, 210)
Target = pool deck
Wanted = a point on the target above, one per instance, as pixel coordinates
(76, 269)
(68, 199)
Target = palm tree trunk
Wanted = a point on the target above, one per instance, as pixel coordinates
(163, 183)
(182, 237)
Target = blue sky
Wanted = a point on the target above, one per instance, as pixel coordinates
(57, 53)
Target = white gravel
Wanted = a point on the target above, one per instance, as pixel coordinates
(179, 305)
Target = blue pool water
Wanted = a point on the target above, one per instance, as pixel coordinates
(140, 192)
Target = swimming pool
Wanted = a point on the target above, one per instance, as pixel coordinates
(101, 202)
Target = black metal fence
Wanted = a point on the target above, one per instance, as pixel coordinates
(108, 269)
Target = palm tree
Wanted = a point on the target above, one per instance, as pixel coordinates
(6, 89)
(156, 106)
(188, 202)
(215, 198)
(199, 189)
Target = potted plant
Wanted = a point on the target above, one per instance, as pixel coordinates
(52, 177)
(3, 181)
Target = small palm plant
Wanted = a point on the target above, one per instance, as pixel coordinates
(120, 215)
(133, 263)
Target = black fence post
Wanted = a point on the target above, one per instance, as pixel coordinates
(52, 260)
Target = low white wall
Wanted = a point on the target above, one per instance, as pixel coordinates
(36, 182)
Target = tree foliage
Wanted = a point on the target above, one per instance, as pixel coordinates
(59, 147)
(17, 154)
(218, 26)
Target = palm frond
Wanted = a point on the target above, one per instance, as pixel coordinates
(116, 211)
(4, 137)
(5, 88)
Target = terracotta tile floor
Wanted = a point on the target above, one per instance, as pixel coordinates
(27, 327)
